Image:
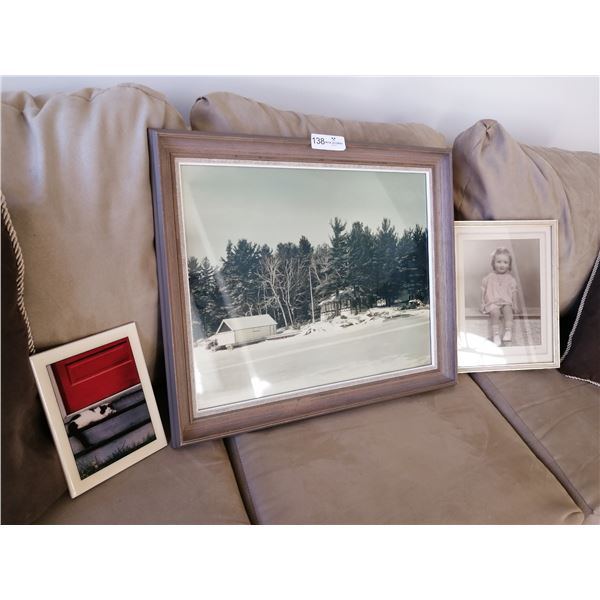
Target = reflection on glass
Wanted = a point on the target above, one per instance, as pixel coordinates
(300, 278)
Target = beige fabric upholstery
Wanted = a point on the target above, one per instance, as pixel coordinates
(32, 478)
(560, 419)
(192, 485)
(592, 520)
(76, 178)
(441, 457)
(223, 112)
(496, 178)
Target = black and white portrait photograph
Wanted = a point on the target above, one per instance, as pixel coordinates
(300, 278)
(505, 294)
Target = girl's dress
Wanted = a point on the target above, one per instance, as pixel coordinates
(497, 290)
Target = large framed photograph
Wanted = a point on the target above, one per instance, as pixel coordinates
(296, 282)
(99, 402)
(507, 295)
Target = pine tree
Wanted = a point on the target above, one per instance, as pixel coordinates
(206, 313)
(385, 262)
(361, 244)
(420, 241)
(240, 276)
(337, 266)
(406, 273)
(265, 299)
(213, 309)
(413, 263)
(198, 331)
(305, 306)
(319, 268)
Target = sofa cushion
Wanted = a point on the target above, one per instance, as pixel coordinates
(559, 418)
(223, 112)
(496, 178)
(76, 178)
(581, 358)
(442, 457)
(32, 478)
(190, 485)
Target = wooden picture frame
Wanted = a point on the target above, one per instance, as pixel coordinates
(252, 188)
(503, 338)
(100, 406)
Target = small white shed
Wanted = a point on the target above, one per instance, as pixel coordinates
(238, 331)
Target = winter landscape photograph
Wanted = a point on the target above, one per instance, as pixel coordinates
(304, 278)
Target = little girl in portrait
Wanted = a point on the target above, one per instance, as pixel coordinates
(499, 295)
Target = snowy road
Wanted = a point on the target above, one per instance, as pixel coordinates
(277, 366)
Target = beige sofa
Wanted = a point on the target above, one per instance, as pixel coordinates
(513, 447)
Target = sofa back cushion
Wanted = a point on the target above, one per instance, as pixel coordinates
(497, 178)
(76, 178)
(224, 112)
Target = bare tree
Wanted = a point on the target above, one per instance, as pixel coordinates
(270, 275)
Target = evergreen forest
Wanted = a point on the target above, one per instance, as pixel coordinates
(358, 269)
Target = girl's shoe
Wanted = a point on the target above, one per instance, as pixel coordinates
(497, 340)
(507, 336)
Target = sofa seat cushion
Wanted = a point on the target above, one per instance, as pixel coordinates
(559, 418)
(442, 457)
(224, 112)
(190, 485)
(497, 178)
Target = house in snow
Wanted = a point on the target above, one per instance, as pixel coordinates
(238, 331)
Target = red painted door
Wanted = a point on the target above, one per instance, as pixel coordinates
(91, 376)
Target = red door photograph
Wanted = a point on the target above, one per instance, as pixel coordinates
(92, 376)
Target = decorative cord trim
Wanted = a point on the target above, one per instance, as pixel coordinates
(580, 309)
(581, 379)
(12, 234)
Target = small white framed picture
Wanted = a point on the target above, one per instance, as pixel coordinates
(507, 295)
(99, 402)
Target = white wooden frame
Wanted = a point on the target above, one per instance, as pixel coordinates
(476, 353)
(41, 368)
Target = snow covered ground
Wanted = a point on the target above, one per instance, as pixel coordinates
(381, 340)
